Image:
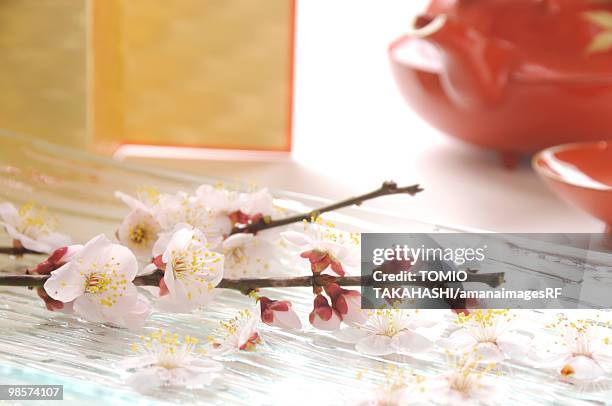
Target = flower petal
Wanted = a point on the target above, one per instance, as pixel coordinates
(146, 379)
(237, 240)
(515, 346)
(9, 214)
(66, 283)
(582, 368)
(350, 335)
(375, 344)
(130, 201)
(287, 319)
(459, 340)
(410, 342)
(489, 353)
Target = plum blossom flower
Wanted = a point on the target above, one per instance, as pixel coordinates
(466, 384)
(399, 388)
(486, 334)
(389, 331)
(191, 271)
(240, 208)
(582, 350)
(248, 255)
(253, 207)
(278, 313)
(325, 247)
(57, 259)
(31, 227)
(183, 208)
(239, 333)
(166, 360)
(139, 231)
(98, 283)
(347, 303)
(323, 316)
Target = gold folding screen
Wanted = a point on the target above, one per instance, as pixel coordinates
(213, 73)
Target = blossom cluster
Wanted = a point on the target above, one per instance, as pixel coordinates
(195, 241)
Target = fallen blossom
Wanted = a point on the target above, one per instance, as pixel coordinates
(389, 331)
(239, 333)
(166, 360)
(580, 350)
(399, 387)
(487, 334)
(467, 383)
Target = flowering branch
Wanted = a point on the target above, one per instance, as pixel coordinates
(265, 222)
(246, 285)
(386, 189)
(18, 251)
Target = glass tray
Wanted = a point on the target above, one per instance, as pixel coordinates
(303, 367)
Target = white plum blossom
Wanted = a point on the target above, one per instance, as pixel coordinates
(486, 334)
(466, 384)
(183, 208)
(31, 227)
(389, 331)
(218, 199)
(248, 255)
(581, 350)
(400, 387)
(240, 206)
(98, 282)
(257, 203)
(325, 247)
(191, 272)
(240, 333)
(139, 231)
(166, 360)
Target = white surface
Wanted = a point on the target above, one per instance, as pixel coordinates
(352, 130)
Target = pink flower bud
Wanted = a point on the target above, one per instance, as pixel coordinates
(159, 263)
(56, 260)
(279, 313)
(239, 217)
(323, 316)
(346, 302)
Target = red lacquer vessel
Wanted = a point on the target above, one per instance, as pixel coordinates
(515, 76)
(580, 173)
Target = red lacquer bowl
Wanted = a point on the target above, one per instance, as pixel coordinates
(580, 173)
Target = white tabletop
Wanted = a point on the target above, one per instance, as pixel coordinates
(352, 130)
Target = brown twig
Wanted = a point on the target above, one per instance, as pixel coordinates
(248, 284)
(18, 251)
(386, 189)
